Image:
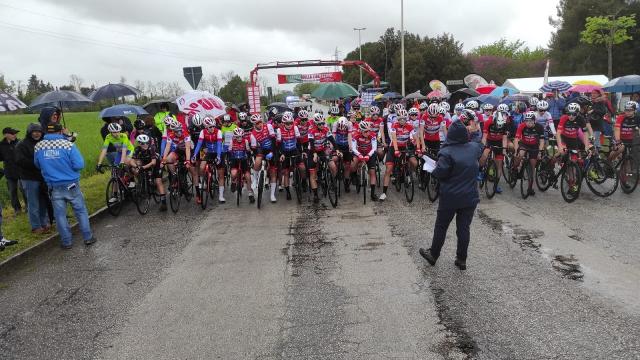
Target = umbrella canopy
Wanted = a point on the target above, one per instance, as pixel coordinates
(585, 88)
(486, 89)
(113, 91)
(202, 102)
(488, 99)
(60, 98)
(391, 95)
(334, 91)
(587, 82)
(415, 96)
(122, 110)
(435, 94)
(280, 106)
(557, 85)
(462, 94)
(9, 102)
(625, 84)
(516, 97)
(499, 91)
(153, 106)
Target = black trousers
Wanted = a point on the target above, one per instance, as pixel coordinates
(14, 187)
(463, 222)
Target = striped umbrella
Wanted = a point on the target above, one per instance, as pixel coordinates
(557, 85)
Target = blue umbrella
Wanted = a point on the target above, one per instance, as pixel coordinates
(556, 85)
(113, 91)
(60, 98)
(122, 110)
(488, 99)
(625, 84)
(517, 97)
(391, 95)
(499, 91)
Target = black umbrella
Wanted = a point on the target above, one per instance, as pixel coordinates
(153, 106)
(462, 94)
(60, 98)
(282, 107)
(113, 91)
(9, 102)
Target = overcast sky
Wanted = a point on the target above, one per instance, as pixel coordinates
(152, 40)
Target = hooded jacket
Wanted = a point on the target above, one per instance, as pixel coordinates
(24, 156)
(7, 155)
(457, 169)
(45, 116)
(59, 160)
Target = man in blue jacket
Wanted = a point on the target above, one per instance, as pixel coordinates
(457, 169)
(60, 163)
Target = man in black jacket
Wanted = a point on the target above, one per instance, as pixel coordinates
(7, 155)
(457, 169)
(32, 180)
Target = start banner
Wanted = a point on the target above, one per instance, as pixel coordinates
(302, 78)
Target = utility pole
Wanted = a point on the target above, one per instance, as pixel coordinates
(402, 43)
(359, 30)
(335, 68)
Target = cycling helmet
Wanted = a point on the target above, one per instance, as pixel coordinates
(343, 123)
(385, 112)
(142, 139)
(208, 122)
(458, 107)
(287, 117)
(255, 118)
(432, 110)
(473, 105)
(402, 114)
(413, 111)
(176, 127)
(238, 132)
(374, 110)
(196, 120)
(168, 119)
(500, 120)
(365, 126)
(542, 105)
(138, 124)
(334, 110)
(533, 101)
(114, 128)
(399, 107)
(226, 118)
(503, 108)
(423, 105)
(442, 110)
(487, 107)
(467, 115)
(318, 119)
(351, 113)
(572, 108)
(631, 105)
(529, 115)
(303, 114)
(242, 116)
(355, 105)
(445, 105)
(274, 111)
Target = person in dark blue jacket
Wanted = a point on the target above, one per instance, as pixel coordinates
(456, 169)
(60, 162)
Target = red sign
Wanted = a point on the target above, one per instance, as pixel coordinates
(302, 78)
(253, 97)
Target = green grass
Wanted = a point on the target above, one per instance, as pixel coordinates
(89, 142)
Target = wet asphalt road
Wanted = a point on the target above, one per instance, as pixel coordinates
(546, 280)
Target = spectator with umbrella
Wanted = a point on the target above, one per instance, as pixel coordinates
(38, 201)
(7, 155)
(553, 98)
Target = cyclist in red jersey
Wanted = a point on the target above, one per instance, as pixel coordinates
(429, 131)
(403, 137)
(320, 136)
(239, 161)
(529, 138)
(287, 137)
(625, 128)
(494, 137)
(364, 146)
(377, 128)
(569, 129)
(262, 141)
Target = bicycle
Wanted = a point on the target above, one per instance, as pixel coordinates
(145, 189)
(489, 174)
(361, 184)
(597, 171)
(331, 182)
(429, 183)
(208, 183)
(297, 177)
(117, 189)
(405, 177)
(524, 172)
(567, 171)
(180, 184)
(628, 172)
(261, 178)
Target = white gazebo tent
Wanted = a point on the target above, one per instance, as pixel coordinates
(533, 85)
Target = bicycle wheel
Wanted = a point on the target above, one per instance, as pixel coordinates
(239, 188)
(378, 171)
(142, 195)
(115, 197)
(187, 184)
(358, 181)
(506, 171)
(491, 179)
(628, 175)
(543, 175)
(409, 180)
(332, 189)
(260, 187)
(204, 192)
(570, 182)
(297, 178)
(174, 192)
(525, 176)
(212, 184)
(364, 175)
(399, 179)
(324, 181)
(433, 188)
(601, 178)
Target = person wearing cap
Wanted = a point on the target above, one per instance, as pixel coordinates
(32, 180)
(60, 162)
(7, 155)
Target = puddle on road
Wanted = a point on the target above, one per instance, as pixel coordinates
(568, 267)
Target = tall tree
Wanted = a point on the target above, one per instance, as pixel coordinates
(304, 88)
(608, 31)
(235, 90)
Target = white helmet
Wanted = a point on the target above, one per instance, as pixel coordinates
(255, 118)
(399, 107)
(423, 105)
(402, 114)
(242, 116)
(533, 101)
(374, 110)
(458, 107)
(572, 108)
(196, 120)
(168, 119)
(334, 110)
(303, 114)
(142, 139)
(114, 127)
(445, 105)
(385, 112)
(351, 113)
(208, 122)
(631, 105)
(343, 123)
(176, 127)
(318, 118)
(226, 118)
(503, 108)
(487, 107)
(473, 105)
(442, 110)
(238, 132)
(287, 117)
(413, 111)
(365, 126)
(542, 105)
(529, 115)
(432, 110)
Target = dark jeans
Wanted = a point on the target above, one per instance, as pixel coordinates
(463, 222)
(37, 204)
(13, 186)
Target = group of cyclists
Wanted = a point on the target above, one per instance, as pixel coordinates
(376, 136)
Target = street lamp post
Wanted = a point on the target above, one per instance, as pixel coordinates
(359, 30)
(402, 44)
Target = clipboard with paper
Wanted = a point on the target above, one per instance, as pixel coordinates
(429, 164)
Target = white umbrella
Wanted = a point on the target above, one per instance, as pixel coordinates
(201, 102)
